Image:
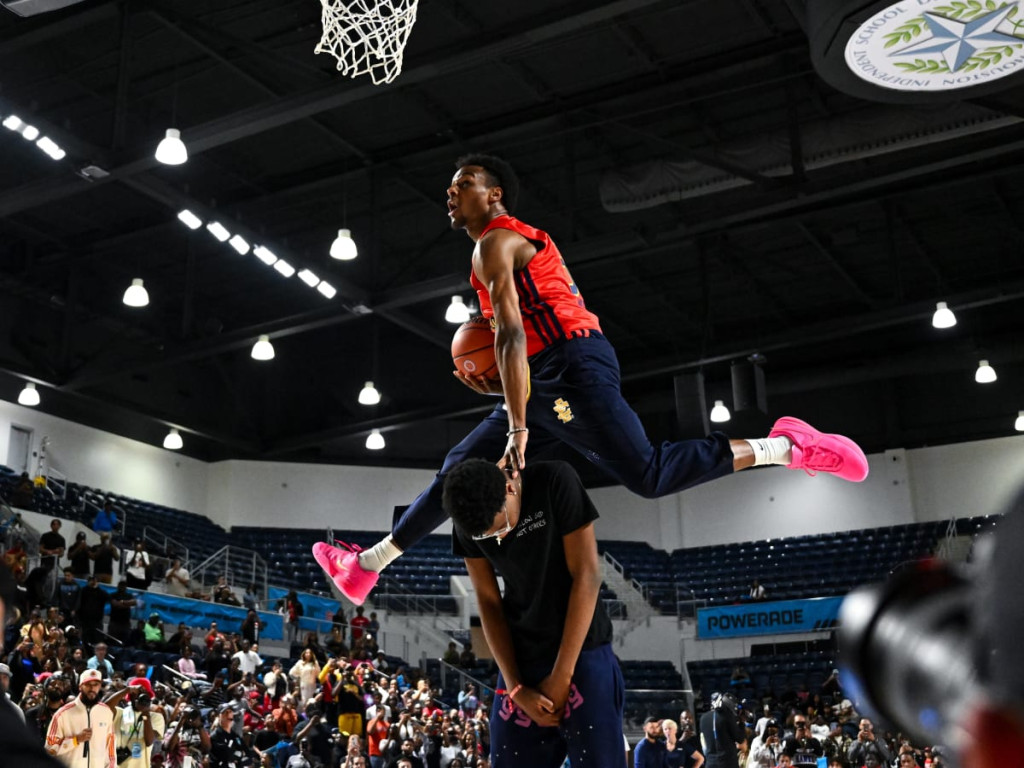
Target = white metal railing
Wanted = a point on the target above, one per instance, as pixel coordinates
(236, 565)
(620, 569)
(450, 670)
(57, 482)
(162, 540)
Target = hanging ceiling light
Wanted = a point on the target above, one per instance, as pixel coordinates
(173, 441)
(1019, 423)
(29, 395)
(309, 278)
(327, 289)
(218, 230)
(50, 147)
(985, 374)
(30, 133)
(719, 413)
(284, 267)
(344, 247)
(457, 311)
(375, 440)
(369, 395)
(171, 151)
(263, 349)
(12, 123)
(264, 254)
(136, 295)
(189, 219)
(943, 317)
(240, 244)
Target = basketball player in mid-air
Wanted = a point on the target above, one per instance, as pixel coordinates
(560, 380)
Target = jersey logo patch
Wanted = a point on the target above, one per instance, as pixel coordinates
(563, 410)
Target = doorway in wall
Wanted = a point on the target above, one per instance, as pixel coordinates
(19, 448)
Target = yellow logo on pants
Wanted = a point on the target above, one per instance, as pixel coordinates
(563, 410)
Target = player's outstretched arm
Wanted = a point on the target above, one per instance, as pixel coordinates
(535, 704)
(584, 566)
(494, 264)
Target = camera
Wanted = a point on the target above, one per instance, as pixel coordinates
(935, 649)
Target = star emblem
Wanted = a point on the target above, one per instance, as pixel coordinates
(957, 41)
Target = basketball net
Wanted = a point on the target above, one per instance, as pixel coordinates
(367, 36)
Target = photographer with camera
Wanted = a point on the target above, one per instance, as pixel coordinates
(136, 727)
(227, 748)
(187, 738)
(866, 743)
(803, 748)
(766, 747)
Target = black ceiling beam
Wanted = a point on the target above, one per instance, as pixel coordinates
(44, 29)
(804, 336)
(836, 265)
(284, 111)
(604, 251)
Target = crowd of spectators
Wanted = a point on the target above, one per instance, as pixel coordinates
(341, 703)
(799, 728)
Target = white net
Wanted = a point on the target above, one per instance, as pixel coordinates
(367, 36)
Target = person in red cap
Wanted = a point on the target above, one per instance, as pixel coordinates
(81, 733)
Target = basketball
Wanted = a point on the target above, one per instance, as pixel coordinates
(473, 348)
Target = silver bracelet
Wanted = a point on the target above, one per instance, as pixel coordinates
(516, 429)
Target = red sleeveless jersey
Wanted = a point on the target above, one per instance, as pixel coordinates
(549, 301)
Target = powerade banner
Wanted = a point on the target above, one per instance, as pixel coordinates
(818, 614)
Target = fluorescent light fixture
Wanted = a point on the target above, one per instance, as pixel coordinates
(239, 244)
(30, 133)
(218, 230)
(50, 147)
(1019, 423)
(264, 254)
(309, 278)
(284, 267)
(344, 247)
(943, 317)
(136, 295)
(457, 311)
(171, 150)
(720, 413)
(29, 395)
(189, 219)
(369, 395)
(173, 441)
(375, 440)
(263, 349)
(328, 290)
(985, 374)
(13, 123)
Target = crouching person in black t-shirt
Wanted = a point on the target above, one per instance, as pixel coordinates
(560, 690)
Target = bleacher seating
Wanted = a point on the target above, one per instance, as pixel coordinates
(769, 676)
(792, 568)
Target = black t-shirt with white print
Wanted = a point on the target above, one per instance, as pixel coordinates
(532, 561)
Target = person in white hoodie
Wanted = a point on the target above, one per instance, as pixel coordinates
(81, 733)
(766, 746)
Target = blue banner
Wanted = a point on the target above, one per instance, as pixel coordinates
(315, 609)
(817, 614)
(196, 613)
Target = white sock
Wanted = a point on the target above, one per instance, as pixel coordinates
(380, 555)
(772, 450)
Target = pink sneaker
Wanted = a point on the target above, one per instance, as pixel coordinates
(815, 451)
(342, 565)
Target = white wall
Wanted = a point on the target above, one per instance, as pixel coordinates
(102, 460)
(904, 486)
(310, 495)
